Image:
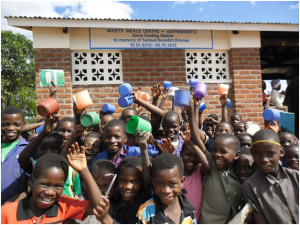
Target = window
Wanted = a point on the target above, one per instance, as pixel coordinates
(97, 67)
(207, 66)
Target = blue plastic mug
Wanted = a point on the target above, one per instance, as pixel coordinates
(202, 106)
(167, 84)
(108, 108)
(125, 101)
(228, 103)
(271, 114)
(200, 90)
(182, 98)
(125, 89)
(193, 82)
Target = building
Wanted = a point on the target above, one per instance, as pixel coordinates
(101, 54)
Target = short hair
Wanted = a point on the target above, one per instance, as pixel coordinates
(115, 123)
(49, 161)
(244, 124)
(265, 134)
(56, 135)
(245, 151)
(132, 109)
(102, 164)
(214, 116)
(130, 161)
(166, 161)
(109, 115)
(285, 133)
(242, 135)
(236, 114)
(69, 119)
(13, 110)
(222, 122)
(171, 114)
(93, 134)
(143, 116)
(288, 148)
(232, 138)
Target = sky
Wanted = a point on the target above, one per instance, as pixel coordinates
(237, 11)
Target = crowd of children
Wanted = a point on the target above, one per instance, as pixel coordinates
(188, 169)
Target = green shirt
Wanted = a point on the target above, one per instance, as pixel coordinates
(222, 195)
(6, 147)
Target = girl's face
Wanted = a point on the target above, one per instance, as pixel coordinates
(49, 145)
(244, 167)
(189, 158)
(66, 128)
(91, 146)
(130, 182)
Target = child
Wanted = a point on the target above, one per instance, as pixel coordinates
(44, 204)
(104, 120)
(292, 156)
(235, 118)
(13, 178)
(195, 164)
(245, 140)
(286, 139)
(91, 146)
(66, 127)
(272, 190)
(222, 192)
(239, 128)
(222, 128)
(244, 167)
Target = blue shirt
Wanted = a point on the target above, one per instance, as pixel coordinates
(13, 178)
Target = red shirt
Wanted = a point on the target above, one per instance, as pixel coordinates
(64, 208)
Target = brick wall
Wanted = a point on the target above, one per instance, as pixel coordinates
(147, 67)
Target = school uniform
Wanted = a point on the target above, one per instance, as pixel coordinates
(222, 195)
(151, 212)
(13, 177)
(64, 208)
(277, 198)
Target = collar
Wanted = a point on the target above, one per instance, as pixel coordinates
(24, 212)
(281, 175)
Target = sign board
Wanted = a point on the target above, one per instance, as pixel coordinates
(287, 121)
(57, 76)
(121, 38)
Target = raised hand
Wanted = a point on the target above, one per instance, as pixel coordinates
(167, 146)
(101, 211)
(51, 123)
(76, 157)
(142, 139)
(223, 100)
(186, 136)
(52, 89)
(155, 90)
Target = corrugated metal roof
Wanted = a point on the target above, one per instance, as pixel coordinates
(148, 20)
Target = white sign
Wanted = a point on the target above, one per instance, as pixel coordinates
(121, 38)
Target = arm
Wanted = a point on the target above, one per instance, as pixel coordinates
(32, 126)
(223, 100)
(24, 157)
(77, 159)
(164, 98)
(155, 90)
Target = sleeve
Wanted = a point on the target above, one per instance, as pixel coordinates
(74, 208)
(77, 186)
(250, 196)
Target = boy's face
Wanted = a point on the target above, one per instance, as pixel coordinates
(266, 156)
(246, 142)
(49, 145)
(286, 139)
(126, 115)
(244, 167)
(238, 128)
(224, 154)
(189, 158)
(167, 184)
(47, 188)
(209, 128)
(114, 138)
(103, 181)
(11, 127)
(66, 128)
(292, 157)
(91, 146)
(130, 182)
(223, 128)
(171, 126)
(235, 119)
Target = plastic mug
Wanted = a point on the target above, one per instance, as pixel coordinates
(200, 90)
(47, 107)
(40, 128)
(223, 89)
(135, 123)
(193, 82)
(271, 114)
(125, 101)
(146, 97)
(125, 89)
(182, 98)
(89, 119)
(167, 84)
(172, 91)
(82, 99)
(228, 103)
(108, 108)
(202, 106)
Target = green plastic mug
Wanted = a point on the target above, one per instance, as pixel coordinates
(89, 119)
(135, 123)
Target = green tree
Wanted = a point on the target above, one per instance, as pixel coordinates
(17, 73)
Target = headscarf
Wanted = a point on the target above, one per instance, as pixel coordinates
(275, 83)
